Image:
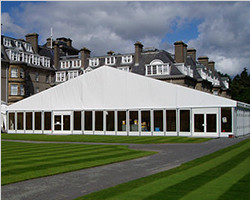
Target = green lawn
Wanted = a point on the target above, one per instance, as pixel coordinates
(223, 175)
(21, 161)
(104, 139)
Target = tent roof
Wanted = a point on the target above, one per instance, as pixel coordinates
(110, 88)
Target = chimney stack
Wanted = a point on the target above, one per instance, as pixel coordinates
(32, 38)
(192, 53)
(211, 65)
(180, 52)
(85, 54)
(56, 55)
(203, 60)
(48, 44)
(110, 53)
(138, 50)
(69, 42)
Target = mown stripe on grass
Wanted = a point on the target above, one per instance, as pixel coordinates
(194, 183)
(104, 139)
(15, 169)
(26, 147)
(222, 183)
(155, 183)
(49, 153)
(240, 190)
(58, 156)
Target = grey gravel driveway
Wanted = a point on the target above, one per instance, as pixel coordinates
(70, 185)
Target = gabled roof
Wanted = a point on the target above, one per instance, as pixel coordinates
(110, 88)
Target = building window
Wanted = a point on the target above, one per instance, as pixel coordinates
(127, 59)
(157, 67)
(93, 62)
(13, 89)
(110, 60)
(22, 73)
(37, 77)
(216, 92)
(124, 68)
(14, 72)
(22, 90)
(47, 78)
(18, 44)
(6, 42)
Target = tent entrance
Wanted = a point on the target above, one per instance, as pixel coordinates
(205, 122)
(62, 122)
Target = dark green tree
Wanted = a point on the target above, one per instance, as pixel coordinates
(240, 87)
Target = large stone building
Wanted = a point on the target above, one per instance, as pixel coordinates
(28, 68)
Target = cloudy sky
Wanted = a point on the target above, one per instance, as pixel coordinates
(219, 30)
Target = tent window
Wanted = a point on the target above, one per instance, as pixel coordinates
(11, 121)
(171, 120)
(29, 121)
(133, 121)
(47, 121)
(185, 121)
(88, 120)
(77, 120)
(226, 120)
(19, 121)
(145, 119)
(122, 121)
(66, 122)
(110, 120)
(99, 121)
(158, 120)
(211, 122)
(38, 117)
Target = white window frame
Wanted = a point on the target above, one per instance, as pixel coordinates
(22, 75)
(127, 69)
(157, 67)
(14, 89)
(93, 62)
(127, 59)
(14, 72)
(18, 44)
(22, 90)
(110, 60)
(6, 42)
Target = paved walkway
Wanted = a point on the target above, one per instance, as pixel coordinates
(71, 185)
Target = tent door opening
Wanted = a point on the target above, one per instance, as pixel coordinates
(205, 122)
(62, 123)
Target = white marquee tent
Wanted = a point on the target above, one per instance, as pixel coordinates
(115, 102)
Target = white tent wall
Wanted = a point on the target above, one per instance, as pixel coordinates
(242, 122)
(108, 89)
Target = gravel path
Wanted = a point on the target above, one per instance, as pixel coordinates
(71, 185)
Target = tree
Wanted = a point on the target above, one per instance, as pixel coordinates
(240, 87)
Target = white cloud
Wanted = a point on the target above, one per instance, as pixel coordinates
(9, 26)
(224, 32)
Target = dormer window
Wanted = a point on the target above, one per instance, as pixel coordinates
(76, 63)
(18, 44)
(28, 47)
(6, 42)
(127, 59)
(110, 60)
(157, 67)
(93, 62)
